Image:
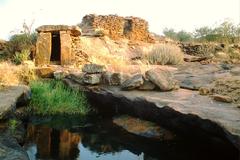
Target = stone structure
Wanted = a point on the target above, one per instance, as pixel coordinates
(64, 45)
(116, 27)
(54, 44)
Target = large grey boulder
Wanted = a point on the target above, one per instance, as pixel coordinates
(93, 68)
(10, 96)
(132, 83)
(162, 78)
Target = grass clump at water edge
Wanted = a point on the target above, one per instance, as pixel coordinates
(53, 97)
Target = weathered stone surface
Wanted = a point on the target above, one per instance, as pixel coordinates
(60, 74)
(10, 96)
(75, 30)
(181, 110)
(147, 85)
(43, 49)
(189, 58)
(92, 79)
(10, 149)
(132, 83)
(143, 128)
(112, 79)
(116, 27)
(162, 78)
(45, 72)
(77, 77)
(222, 98)
(66, 56)
(194, 75)
(93, 68)
(236, 71)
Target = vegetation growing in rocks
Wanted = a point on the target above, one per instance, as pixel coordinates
(164, 54)
(12, 125)
(52, 97)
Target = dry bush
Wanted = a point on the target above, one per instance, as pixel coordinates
(8, 74)
(162, 54)
(11, 74)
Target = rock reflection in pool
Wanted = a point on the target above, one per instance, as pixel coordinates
(105, 141)
(48, 143)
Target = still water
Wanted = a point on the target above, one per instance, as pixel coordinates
(71, 138)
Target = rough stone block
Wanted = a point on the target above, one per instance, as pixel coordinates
(43, 49)
(92, 79)
(66, 41)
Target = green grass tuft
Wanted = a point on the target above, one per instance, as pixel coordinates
(53, 97)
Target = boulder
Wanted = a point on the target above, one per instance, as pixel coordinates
(45, 72)
(147, 85)
(76, 77)
(162, 78)
(132, 83)
(114, 79)
(59, 75)
(222, 98)
(9, 98)
(10, 149)
(93, 68)
(92, 79)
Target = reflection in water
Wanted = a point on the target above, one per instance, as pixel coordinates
(46, 143)
(103, 141)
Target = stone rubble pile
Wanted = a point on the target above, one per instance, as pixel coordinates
(116, 27)
(93, 74)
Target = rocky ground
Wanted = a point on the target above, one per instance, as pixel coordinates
(187, 96)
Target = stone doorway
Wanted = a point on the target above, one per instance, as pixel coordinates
(56, 48)
(54, 44)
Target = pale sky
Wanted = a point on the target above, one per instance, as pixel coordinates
(177, 14)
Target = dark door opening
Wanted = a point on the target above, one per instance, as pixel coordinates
(56, 48)
(127, 26)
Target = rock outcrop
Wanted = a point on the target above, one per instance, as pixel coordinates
(9, 98)
(10, 149)
(133, 82)
(180, 110)
(163, 79)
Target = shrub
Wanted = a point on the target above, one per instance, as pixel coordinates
(8, 74)
(13, 75)
(164, 54)
(52, 97)
(19, 42)
(19, 57)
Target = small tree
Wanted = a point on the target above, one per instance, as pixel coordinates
(202, 32)
(184, 36)
(170, 33)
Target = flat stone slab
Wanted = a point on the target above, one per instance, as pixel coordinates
(10, 96)
(186, 102)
